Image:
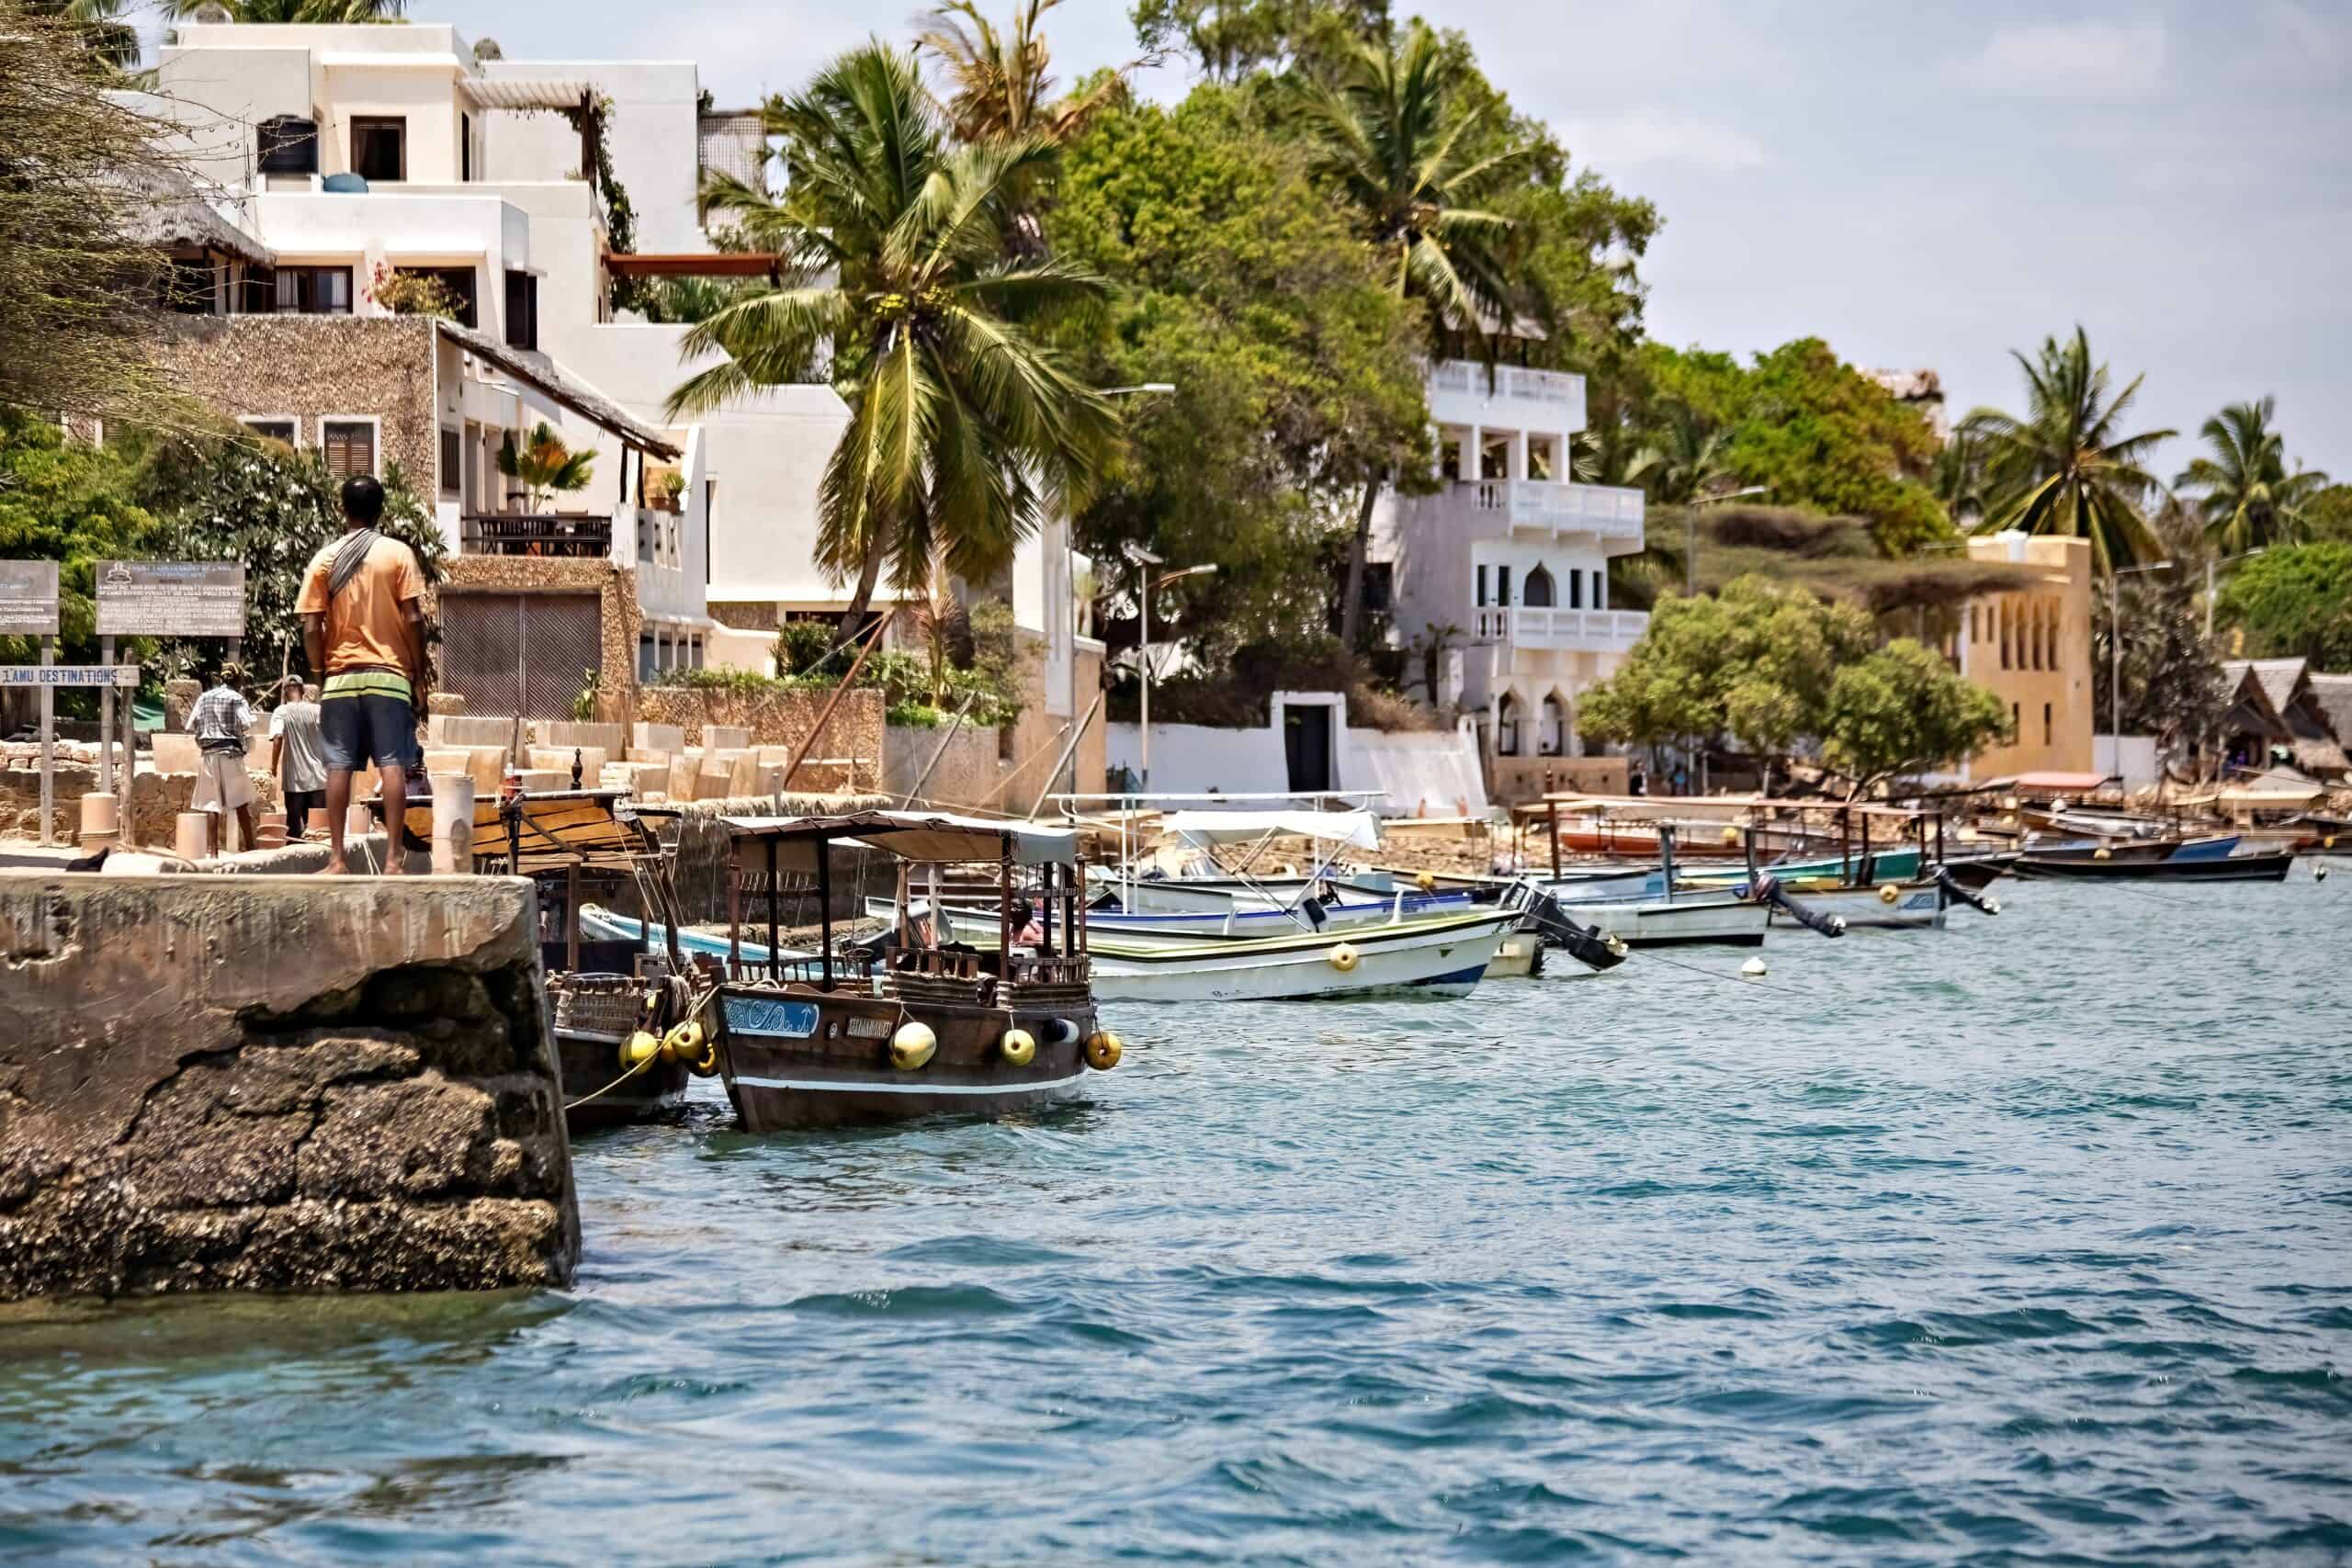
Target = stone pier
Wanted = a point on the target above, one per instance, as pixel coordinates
(276, 1083)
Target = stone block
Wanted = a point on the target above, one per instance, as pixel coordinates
(174, 753)
(350, 1086)
(559, 759)
(542, 781)
(463, 729)
(610, 738)
(725, 737)
(643, 779)
(668, 739)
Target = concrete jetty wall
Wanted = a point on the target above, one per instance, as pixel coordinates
(276, 1083)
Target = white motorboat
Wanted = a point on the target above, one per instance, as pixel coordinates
(1687, 918)
(1916, 906)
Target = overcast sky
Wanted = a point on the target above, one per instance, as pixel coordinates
(1920, 185)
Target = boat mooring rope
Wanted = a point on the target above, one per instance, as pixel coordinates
(1741, 980)
(617, 1083)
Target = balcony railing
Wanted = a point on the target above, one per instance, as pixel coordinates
(1607, 511)
(561, 533)
(1509, 381)
(1597, 631)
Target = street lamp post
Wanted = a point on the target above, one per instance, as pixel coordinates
(1147, 584)
(2115, 658)
(2210, 565)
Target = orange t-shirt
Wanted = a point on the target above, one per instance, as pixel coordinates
(368, 623)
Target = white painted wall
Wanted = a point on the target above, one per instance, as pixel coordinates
(1434, 772)
(1425, 772)
(2134, 758)
(655, 138)
(1191, 758)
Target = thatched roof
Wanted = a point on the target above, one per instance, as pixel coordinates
(2332, 694)
(176, 216)
(2289, 696)
(564, 388)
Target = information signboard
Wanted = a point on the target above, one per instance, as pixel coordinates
(171, 599)
(28, 598)
(122, 675)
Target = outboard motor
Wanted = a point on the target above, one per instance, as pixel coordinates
(1586, 944)
(1768, 890)
(1953, 889)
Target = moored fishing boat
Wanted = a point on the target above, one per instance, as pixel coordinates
(1412, 957)
(904, 1027)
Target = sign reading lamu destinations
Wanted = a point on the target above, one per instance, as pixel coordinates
(171, 599)
(28, 598)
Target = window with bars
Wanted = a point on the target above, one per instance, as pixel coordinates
(275, 429)
(453, 462)
(349, 445)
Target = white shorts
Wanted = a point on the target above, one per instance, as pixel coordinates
(221, 782)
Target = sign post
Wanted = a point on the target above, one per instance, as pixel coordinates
(28, 608)
(203, 599)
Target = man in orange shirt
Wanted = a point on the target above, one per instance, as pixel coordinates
(363, 625)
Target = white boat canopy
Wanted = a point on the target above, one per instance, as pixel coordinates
(1361, 828)
(913, 836)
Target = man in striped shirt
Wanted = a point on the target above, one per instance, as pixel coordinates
(219, 721)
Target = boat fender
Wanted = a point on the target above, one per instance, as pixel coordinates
(1102, 1049)
(1731, 834)
(1426, 882)
(640, 1049)
(1754, 969)
(1889, 892)
(912, 1046)
(1344, 957)
(2102, 853)
(685, 1042)
(2328, 843)
(1954, 888)
(1020, 1047)
(1062, 1030)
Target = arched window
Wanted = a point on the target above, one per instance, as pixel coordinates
(1507, 717)
(1551, 729)
(1537, 593)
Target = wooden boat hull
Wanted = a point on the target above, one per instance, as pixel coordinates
(1413, 959)
(798, 1057)
(1699, 921)
(589, 1063)
(2237, 868)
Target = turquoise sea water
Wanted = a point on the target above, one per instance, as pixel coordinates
(2026, 1242)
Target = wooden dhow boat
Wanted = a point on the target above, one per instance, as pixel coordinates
(906, 1027)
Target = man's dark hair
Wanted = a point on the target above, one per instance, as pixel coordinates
(363, 499)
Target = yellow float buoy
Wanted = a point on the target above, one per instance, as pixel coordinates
(640, 1048)
(1344, 958)
(1888, 892)
(2328, 843)
(1425, 882)
(1731, 834)
(2102, 853)
(1102, 1049)
(1020, 1047)
(912, 1046)
(684, 1043)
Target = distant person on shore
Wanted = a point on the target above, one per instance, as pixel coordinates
(298, 755)
(363, 623)
(221, 721)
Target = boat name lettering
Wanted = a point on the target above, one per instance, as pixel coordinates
(763, 1015)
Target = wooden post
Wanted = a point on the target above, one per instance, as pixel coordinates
(1552, 826)
(824, 912)
(1045, 911)
(124, 782)
(106, 721)
(1666, 857)
(775, 964)
(734, 917)
(1078, 908)
(1863, 861)
(48, 742)
(1004, 908)
(572, 916)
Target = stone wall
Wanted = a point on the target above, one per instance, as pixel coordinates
(619, 615)
(755, 615)
(276, 1084)
(313, 367)
(776, 718)
(969, 773)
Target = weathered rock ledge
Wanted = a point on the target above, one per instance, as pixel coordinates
(276, 1083)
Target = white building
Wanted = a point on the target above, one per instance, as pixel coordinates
(346, 152)
(1507, 563)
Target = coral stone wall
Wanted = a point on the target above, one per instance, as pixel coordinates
(315, 368)
(776, 719)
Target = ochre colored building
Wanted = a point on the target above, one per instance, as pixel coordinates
(2032, 649)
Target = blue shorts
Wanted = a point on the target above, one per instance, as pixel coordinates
(367, 728)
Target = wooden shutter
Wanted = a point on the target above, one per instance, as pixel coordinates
(350, 447)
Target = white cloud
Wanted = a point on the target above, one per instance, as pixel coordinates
(1647, 137)
(2107, 60)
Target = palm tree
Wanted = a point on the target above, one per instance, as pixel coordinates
(1686, 463)
(543, 464)
(997, 89)
(963, 430)
(311, 12)
(109, 40)
(2062, 468)
(1418, 161)
(2250, 500)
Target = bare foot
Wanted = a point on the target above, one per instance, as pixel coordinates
(338, 868)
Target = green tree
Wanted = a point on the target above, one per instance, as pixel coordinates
(73, 503)
(2063, 467)
(1294, 366)
(1687, 461)
(1227, 39)
(2172, 683)
(2328, 515)
(2245, 495)
(963, 429)
(543, 465)
(1901, 709)
(1809, 428)
(98, 24)
(1414, 155)
(274, 509)
(311, 12)
(998, 89)
(2294, 601)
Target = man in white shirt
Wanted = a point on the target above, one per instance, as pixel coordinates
(220, 721)
(298, 755)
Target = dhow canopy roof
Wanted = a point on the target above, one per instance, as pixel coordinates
(909, 835)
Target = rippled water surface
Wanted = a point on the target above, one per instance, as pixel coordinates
(2030, 1241)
